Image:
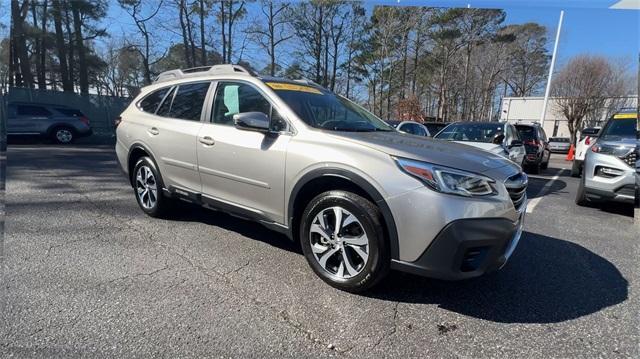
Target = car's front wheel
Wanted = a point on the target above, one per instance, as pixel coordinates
(148, 188)
(344, 241)
(581, 195)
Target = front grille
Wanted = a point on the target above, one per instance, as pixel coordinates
(517, 188)
(630, 159)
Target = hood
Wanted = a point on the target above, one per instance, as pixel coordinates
(491, 147)
(439, 152)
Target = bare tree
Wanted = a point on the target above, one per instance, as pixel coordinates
(135, 8)
(268, 36)
(586, 85)
(18, 37)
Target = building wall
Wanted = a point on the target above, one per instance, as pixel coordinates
(529, 109)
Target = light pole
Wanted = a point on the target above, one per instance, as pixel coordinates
(553, 62)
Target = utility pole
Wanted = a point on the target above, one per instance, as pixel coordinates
(553, 62)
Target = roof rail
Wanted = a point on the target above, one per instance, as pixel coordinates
(202, 70)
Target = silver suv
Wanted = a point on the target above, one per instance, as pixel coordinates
(60, 123)
(359, 196)
(609, 165)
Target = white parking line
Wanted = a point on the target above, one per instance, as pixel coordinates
(543, 191)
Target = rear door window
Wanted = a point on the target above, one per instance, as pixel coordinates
(166, 104)
(32, 111)
(188, 101)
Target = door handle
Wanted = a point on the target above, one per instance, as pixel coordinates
(206, 140)
(154, 131)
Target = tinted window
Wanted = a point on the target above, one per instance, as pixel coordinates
(472, 132)
(619, 128)
(25, 110)
(69, 112)
(527, 132)
(151, 102)
(235, 97)
(166, 104)
(188, 101)
(434, 128)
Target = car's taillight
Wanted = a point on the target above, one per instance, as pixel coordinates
(117, 121)
(587, 140)
(531, 142)
(84, 120)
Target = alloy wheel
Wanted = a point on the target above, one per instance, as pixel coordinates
(339, 242)
(64, 135)
(146, 187)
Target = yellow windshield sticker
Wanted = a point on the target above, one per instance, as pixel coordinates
(621, 116)
(293, 87)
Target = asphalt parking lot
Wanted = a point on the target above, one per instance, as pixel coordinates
(87, 274)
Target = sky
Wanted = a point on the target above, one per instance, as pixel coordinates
(589, 26)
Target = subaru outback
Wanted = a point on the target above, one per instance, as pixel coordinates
(360, 197)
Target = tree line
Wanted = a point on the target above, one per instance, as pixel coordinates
(401, 62)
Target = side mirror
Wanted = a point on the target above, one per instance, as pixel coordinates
(252, 121)
(498, 139)
(515, 143)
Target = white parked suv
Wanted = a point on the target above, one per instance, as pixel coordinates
(359, 196)
(588, 137)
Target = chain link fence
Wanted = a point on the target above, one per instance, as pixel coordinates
(101, 110)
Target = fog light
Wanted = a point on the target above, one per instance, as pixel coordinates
(608, 172)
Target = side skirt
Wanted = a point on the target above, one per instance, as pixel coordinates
(216, 205)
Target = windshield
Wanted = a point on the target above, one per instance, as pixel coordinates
(471, 132)
(328, 111)
(617, 129)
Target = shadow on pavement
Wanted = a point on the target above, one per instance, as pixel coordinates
(548, 280)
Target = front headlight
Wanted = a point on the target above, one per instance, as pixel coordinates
(448, 180)
(618, 151)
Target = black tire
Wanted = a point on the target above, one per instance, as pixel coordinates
(370, 220)
(535, 168)
(162, 205)
(63, 135)
(576, 168)
(581, 197)
(545, 165)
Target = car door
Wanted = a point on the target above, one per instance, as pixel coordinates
(173, 133)
(240, 168)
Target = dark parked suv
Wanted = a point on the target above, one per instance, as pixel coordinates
(60, 123)
(537, 146)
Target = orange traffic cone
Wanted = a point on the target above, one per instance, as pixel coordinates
(570, 154)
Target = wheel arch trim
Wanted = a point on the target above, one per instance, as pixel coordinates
(360, 182)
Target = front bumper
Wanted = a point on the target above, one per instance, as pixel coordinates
(467, 248)
(620, 188)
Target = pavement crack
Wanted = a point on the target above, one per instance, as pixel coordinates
(392, 330)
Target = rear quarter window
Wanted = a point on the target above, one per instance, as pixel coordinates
(70, 112)
(151, 102)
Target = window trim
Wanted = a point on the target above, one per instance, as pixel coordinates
(209, 115)
(174, 93)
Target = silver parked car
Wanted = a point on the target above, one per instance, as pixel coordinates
(500, 138)
(609, 166)
(59, 123)
(359, 196)
(559, 144)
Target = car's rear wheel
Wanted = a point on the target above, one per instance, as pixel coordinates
(344, 241)
(147, 187)
(534, 168)
(63, 135)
